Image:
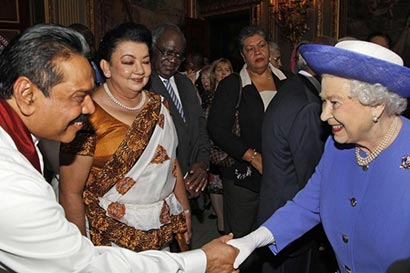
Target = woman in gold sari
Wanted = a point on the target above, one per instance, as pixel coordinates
(121, 173)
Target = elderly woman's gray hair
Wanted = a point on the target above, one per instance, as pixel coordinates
(273, 46)
(249, 31)
(375, 94)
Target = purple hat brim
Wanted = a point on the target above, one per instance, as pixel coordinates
(352, 65)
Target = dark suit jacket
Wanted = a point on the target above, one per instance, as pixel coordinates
(193, 141)
(293, 137)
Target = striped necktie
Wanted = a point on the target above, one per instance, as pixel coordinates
(174, 98)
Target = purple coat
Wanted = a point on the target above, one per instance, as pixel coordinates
(365, 214)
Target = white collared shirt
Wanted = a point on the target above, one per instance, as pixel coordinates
(36, 237)
(174, 86)
(312, 79)
(266, 95)
(246, 79)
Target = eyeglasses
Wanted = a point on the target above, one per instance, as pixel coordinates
(276, 59)
(168, 54)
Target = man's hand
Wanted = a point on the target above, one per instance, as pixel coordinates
(196, 179)
(219, 255)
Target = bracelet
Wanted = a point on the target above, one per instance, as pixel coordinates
(253, 156)
(187, 211)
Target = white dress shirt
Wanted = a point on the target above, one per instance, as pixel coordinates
(35, 236)
(174, 86)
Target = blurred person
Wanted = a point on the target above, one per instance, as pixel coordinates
(45, 91)
(254, 87)
(205, 76)
(205, 88)
(380, 38)
(359, 190)
(220, 69)
(193, 64)
(190, 123)
(89, 37)
(275, 56)
(206, 61)
(107, 173)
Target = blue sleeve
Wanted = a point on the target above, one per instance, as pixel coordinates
(300, 214)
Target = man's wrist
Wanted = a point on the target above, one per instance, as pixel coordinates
(194, 260)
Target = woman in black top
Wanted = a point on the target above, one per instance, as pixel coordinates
(258, 81)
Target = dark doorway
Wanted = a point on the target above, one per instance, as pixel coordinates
(223, 36)
(14, 17)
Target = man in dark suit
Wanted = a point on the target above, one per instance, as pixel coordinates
(178, 90)
(293, 137)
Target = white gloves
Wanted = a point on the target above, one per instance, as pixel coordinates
(247, 244)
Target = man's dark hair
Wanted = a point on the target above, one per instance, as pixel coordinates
(35, 54)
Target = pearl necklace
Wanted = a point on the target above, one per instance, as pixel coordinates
(135, 108)
(365, 161)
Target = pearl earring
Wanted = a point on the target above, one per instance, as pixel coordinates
(375, 119)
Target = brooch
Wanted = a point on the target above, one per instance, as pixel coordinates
(405, 162)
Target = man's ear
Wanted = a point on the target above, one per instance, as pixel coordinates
(24, 92)
(105, 67)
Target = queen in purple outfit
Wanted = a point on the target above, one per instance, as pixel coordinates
(360, 190)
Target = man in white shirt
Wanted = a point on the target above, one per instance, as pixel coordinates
(45, 87)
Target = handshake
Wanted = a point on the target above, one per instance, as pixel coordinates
(226, 254)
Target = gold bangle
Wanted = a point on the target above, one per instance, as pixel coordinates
(253, 156)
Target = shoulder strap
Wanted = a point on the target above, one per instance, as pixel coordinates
(238, 102)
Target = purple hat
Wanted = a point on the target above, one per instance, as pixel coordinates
(360, 60)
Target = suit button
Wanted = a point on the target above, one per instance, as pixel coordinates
(353, 201)
(345, 239)
(348, 270)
